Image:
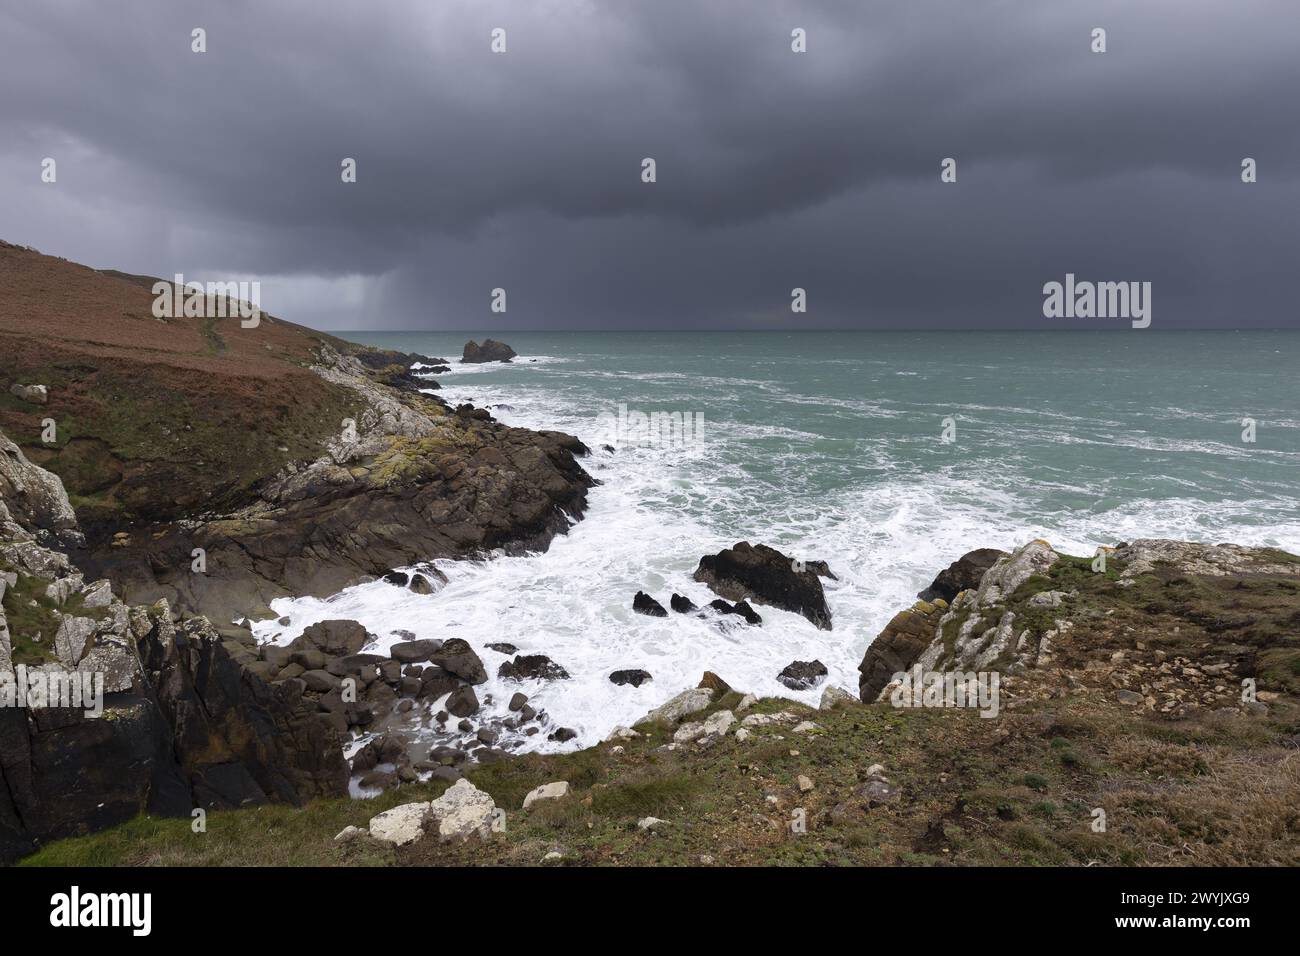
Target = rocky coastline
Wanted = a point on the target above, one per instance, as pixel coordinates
(132, 555)
(149, 573)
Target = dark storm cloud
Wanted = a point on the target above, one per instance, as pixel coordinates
(776, 170)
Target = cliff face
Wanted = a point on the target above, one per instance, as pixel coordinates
(166, 720)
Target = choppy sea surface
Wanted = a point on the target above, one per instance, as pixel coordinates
(830, 445)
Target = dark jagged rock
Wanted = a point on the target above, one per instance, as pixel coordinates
(681, 604)
(740, 608)
(634, 677)
(532, 667)
(397, 578)
(962, 574)
(502, 647)
(764, 575)
(800, 675)
(645, 604)
(562, 735)
(490, 351)
(458, 658)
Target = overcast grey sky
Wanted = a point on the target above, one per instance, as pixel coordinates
(775, 169)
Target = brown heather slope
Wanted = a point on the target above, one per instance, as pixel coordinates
(156, 418)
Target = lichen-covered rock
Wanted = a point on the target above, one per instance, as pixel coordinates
(34, 497)
(402, 825)
(462, 812)
(682, 705)
(547, 791)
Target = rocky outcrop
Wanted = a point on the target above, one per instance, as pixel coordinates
(1171, 627)
(34, 498)
(801, 675)
(413, 482)
(166, 721)
(682, 604)
(643, 603)
(963, 573)
(35, 394)
(898, 646)
(765, 576)
(635, 677)
(532, 667)
(740, 609)
(490, 351)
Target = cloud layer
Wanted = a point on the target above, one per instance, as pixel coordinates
(522, 170)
